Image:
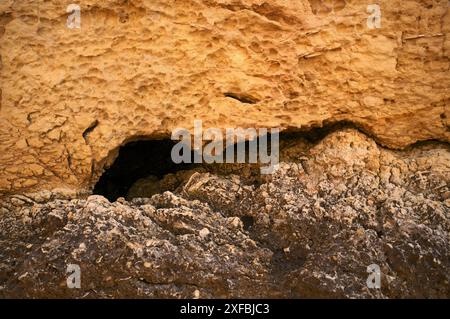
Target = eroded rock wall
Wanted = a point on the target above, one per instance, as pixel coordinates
(71, 97)
(309, 231)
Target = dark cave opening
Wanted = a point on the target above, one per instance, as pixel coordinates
(152, 158)
(137, 160)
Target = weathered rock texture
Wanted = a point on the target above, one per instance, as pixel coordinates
(309, 230)
(70, 98)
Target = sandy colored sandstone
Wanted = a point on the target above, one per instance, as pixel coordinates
(70, 98)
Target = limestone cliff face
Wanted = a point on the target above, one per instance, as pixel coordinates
(71, 97)
(308, 231)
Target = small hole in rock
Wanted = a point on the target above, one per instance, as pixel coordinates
(248, 222)
(243, 98)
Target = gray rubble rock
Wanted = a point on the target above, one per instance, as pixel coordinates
(309, 230)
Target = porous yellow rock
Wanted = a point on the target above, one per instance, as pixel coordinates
(136, 68)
